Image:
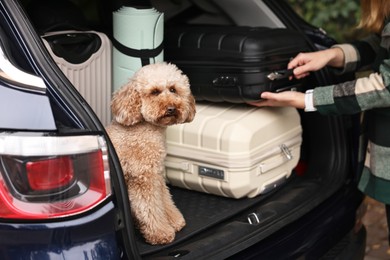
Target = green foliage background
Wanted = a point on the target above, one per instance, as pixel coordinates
(338, 18)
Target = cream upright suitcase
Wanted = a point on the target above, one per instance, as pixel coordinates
(234, 151)
(85, 57)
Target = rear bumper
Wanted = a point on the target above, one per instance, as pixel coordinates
(325, 233)
(352, 246)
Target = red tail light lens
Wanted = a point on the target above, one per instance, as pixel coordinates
(50, 177)
(50, 173)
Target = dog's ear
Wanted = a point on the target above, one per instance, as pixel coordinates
(191, 109)
(126, 105)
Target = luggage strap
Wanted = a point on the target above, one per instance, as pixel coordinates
(144, 54)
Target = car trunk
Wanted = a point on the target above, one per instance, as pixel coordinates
(218, 227)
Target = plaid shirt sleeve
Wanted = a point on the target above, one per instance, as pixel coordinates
(364, 93)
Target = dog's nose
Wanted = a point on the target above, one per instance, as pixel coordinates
(171, 110)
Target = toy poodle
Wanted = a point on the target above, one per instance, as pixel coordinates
(158, 95)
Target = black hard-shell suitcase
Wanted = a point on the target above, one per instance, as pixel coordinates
(234, 63)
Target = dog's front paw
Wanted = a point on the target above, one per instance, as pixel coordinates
(176, 219)
(179, 223)
(159, 236)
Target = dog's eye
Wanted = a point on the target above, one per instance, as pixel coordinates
(155, 92)
(172, 89)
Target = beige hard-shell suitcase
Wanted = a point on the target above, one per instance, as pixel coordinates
(234, 150)
(85, 57)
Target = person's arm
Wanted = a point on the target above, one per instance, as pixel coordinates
(346, 57)
(303, 63)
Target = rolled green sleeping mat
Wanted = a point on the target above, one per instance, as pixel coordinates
(138, 35)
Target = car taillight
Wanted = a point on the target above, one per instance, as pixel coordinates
(52, 176)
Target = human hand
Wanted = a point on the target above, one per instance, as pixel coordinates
(304, 63)
(281, 99)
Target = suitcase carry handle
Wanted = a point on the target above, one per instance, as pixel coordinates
(280, 74)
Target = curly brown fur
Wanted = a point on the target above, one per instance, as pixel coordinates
(158, 95)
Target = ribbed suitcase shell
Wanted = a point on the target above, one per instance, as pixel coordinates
(231, 63)
(92, 78)
(234, 150)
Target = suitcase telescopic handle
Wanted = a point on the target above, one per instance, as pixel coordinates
(75, 48)
(280, 74)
